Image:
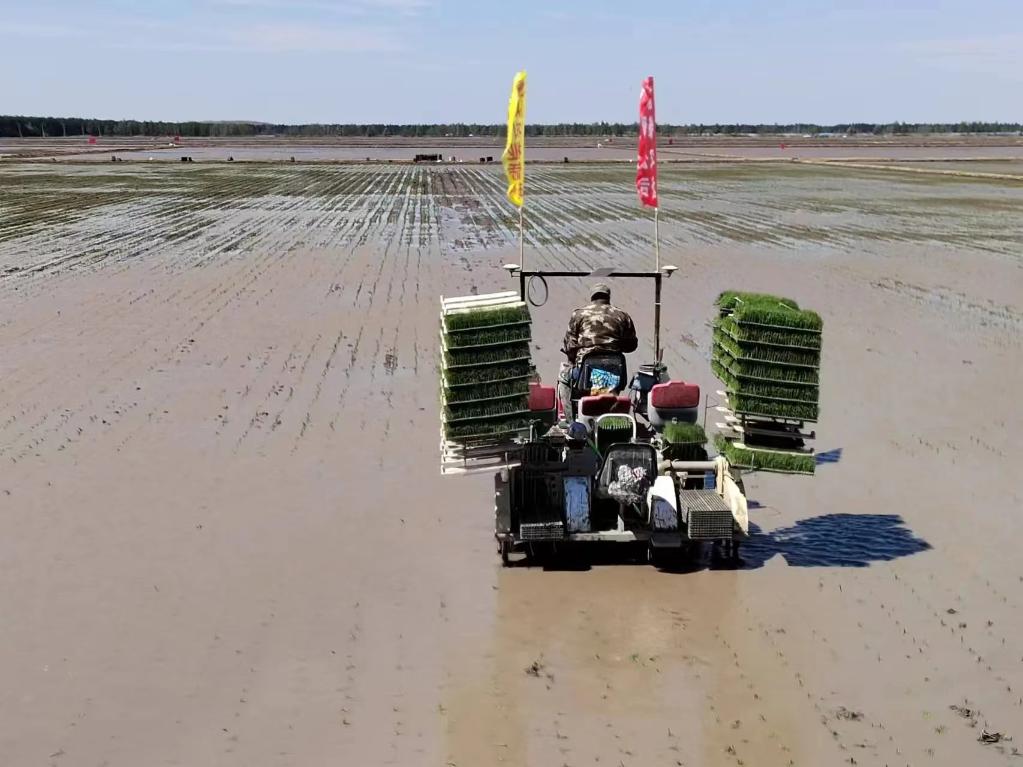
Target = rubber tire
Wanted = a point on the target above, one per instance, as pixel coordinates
(658, 557)
(734, 553)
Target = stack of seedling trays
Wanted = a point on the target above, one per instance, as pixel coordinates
(485, 374)
(767, 353)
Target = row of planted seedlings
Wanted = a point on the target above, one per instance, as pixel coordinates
(485, 373)
(767, 353)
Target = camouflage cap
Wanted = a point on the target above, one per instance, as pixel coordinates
(601, 289)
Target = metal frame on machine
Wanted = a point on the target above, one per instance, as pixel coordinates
(656, 539)
(657, 276)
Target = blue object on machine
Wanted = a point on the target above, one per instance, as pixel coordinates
(710, 480)
(577, 504)
(578, 431)
(603, 380)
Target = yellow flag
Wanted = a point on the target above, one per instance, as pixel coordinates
(514, 157)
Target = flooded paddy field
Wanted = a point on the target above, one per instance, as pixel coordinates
(781, 150)
(1012, 167)
(227, 540)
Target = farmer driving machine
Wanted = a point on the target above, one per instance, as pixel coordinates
(624, 459)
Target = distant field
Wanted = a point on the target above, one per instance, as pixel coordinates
(540, 148)
(55, 217)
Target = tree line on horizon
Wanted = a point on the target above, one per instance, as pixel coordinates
(18, 126)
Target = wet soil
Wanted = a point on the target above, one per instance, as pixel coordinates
(226, 539)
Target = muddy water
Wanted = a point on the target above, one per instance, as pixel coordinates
(226, 540)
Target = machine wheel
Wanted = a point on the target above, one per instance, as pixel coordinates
(724, 550)
(537, 554)
(653, 557)
(662, 558)
(505, 549)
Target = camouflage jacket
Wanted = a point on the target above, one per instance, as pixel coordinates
(599, 325)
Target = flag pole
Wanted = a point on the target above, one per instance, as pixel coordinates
(657, 289)
(657, 242)
(522, 238)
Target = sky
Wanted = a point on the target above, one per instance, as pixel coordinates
(437, 61)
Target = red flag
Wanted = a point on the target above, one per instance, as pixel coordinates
(646, 161)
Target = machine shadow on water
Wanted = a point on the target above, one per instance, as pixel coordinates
(834, 540)
(830, 540)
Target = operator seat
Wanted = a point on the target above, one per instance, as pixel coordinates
(610, 366)
(599, 372)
